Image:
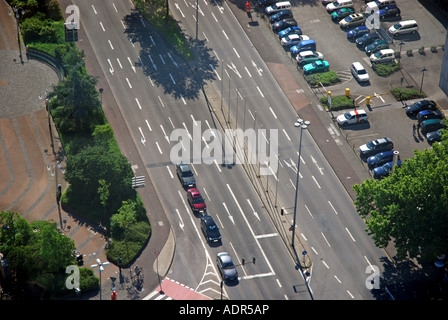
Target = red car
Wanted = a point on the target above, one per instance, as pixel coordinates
(195, 200)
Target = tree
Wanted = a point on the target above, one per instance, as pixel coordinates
(410, 206)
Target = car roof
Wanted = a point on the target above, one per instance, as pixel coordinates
(384, 51)
(358, 112)
(431, 121)
(208, 220)
(358, 65)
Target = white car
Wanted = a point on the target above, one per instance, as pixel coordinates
(293, 39)
(352, 117)
(359, 72)
(305, 57)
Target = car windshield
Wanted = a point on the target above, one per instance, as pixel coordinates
(371, 145)
(227, 265)
(362, 71)
(347, 115)
(212, 227)
(377, 54)
(348, 19)
(397, 26)
(187, 174)
(198, 200)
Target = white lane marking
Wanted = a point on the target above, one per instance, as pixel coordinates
(287, 136)
(328, 243)
(161, 58)
(138, 103)
(147, 123)
(260, 91)
(214, 70)
(158, 147)
(268, 235)
(161, 101)
(346, 229)
(332, 207)
(273, 113)
(316, 182)
(236, 52)
(119, 63)
(94, 9)
(110, 43)
(102, 27)
(172, 79)
(129, 84)
(225, 34)
(247, 70)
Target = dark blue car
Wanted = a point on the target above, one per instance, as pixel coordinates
(384, 170)
(357, 32)
(290, 30)
(380, 159)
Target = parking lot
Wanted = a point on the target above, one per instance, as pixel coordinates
(387, 117)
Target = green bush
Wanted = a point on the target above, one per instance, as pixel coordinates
(406, 94)
(338, 102)
(386, 69)
(326, 78)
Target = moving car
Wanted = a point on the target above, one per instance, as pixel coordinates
(352, 20)
(359, 72)
(185, 175)
(226, 267)
(380, 159)
(352, 117)
(283, 24)
(429, 114)
(357, 32)
(293, 40)
(376, 46)
(413, 109)
(290, 30)
(210, 229)
(306, 57)
(342, 13)
(434, 136)
(280, 15)
(316, 66)
(376, 146)
(196, 201)
(387, 12)
(384, 170)
(367, 39)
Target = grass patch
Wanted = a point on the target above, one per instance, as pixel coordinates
(338, 102)
(385, 69)
(406, 94)
(326, 78)
(155, 12)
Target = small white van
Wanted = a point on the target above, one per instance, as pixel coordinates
(376, 5)
(279, 6)
(339, 4)
(385, 55)
(402, 27)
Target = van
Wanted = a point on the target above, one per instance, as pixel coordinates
(404, 27)
(305, 45)
(381, 56)
(339, 4)
(374, 6)
(279, 6)
(432, 125)
(359, 72)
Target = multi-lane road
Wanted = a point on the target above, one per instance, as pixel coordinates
(158, 92)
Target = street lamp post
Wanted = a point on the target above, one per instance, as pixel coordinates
(101, 269)
(18, 12)
(399, 56)
(303, 125)
(423, 74)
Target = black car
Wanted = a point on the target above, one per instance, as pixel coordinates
(367, 39)
(434, 136)
(265, 3)
(376, 146)
(283, 24)
(210, 229)
(380, 159)
(388, 12)
(413, 109)
(185, 175)
(280, 15)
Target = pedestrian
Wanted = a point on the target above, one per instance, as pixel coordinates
(413, 129)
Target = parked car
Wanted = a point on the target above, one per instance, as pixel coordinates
(383, 56)
(306, 45)
(265, 3)
(380, 159)
(435, 136)
(283, 24)
(226, 267)
(357, 32)
(353, 20)
(432, 125)
(352, 117)
(341, 14)
(376, 146)
(210, 229)
(429, 114)
(278, 6)
(413, 109)
(293, 39)
(185, 175)
(290, 30)
(196, 201)
(367, 39)
(384, 170)
(359, 72)
(387, 12)
(338, 4)
(316, 67)
(376, 46)
(280, 15)
(306, 57)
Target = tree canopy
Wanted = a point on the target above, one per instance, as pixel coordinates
(410, 207)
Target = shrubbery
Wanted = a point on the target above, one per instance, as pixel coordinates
(325, 78)
(385, 69)
(406, 94)
(338, 102)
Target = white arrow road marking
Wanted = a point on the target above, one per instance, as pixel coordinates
(142, 139)
(228, 213)
(178, 8)
(132, 66)
(233, 68)
(181, 223)
(254, 213)
(259, 70)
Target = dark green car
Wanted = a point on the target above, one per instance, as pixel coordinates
(376, 46)
(341, 14)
